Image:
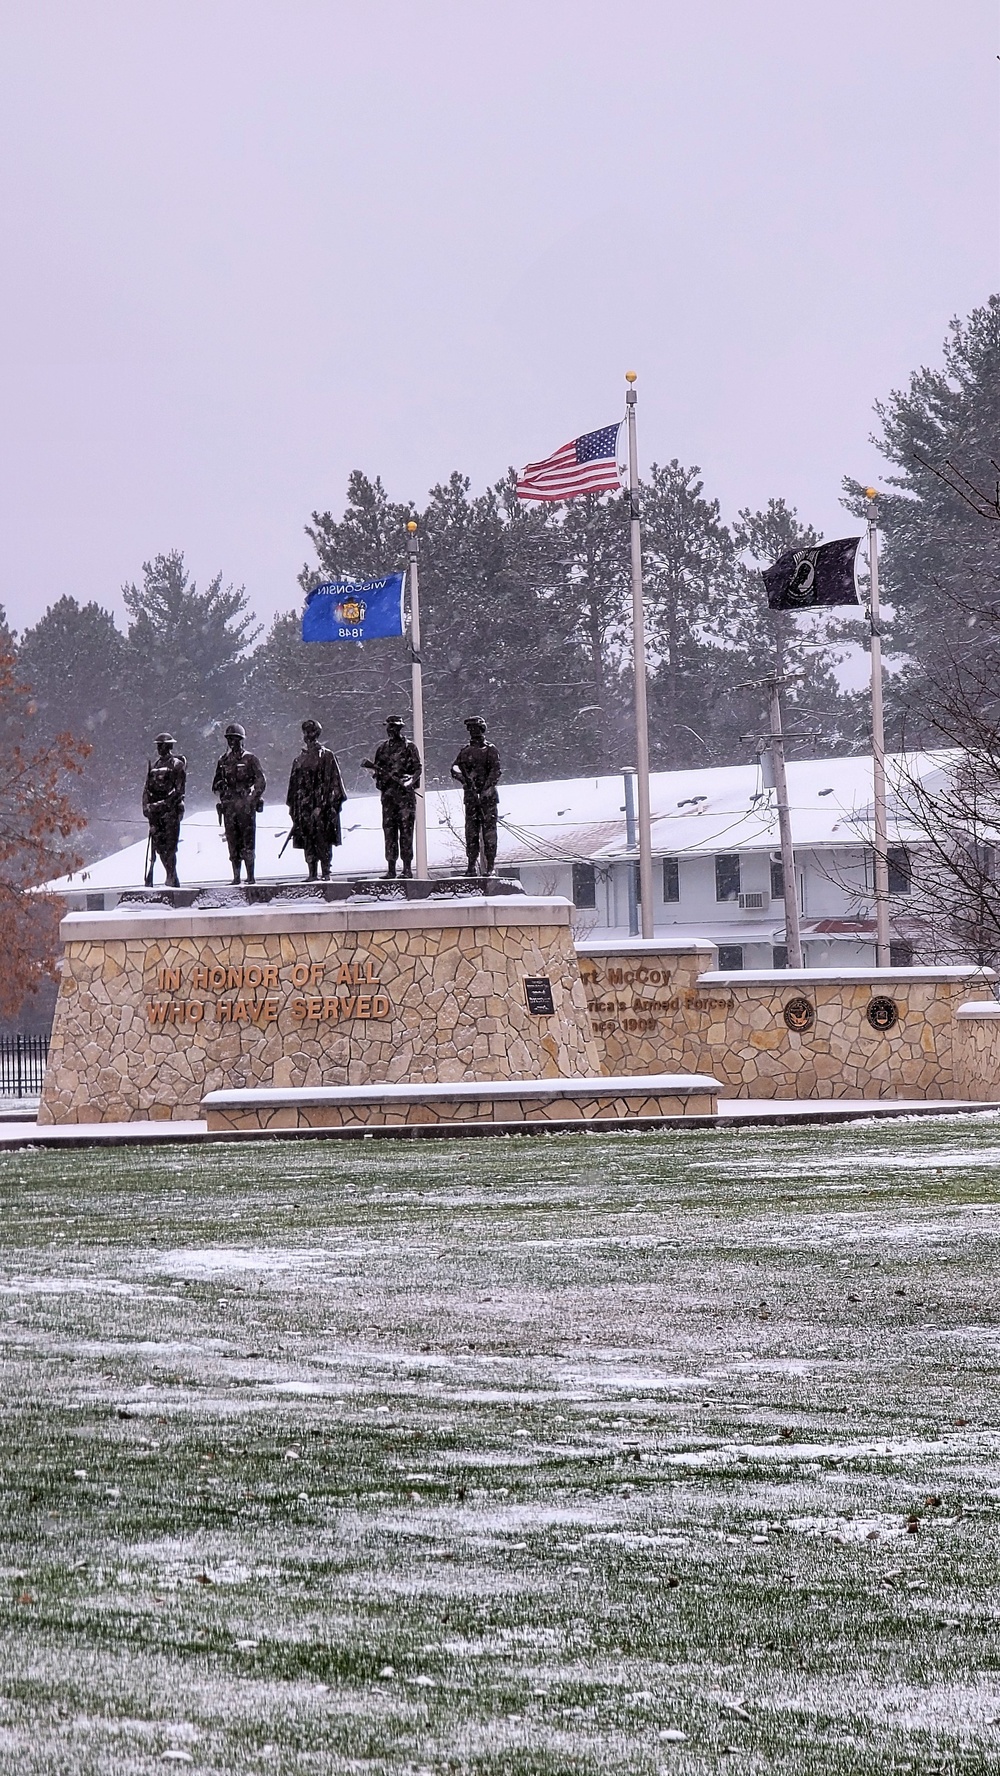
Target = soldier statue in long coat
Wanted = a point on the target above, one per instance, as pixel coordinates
(239, 785)
(397, 767)
(316, 795)
(477, 769)
(163, 807)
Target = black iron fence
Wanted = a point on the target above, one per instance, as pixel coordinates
(22, 1065)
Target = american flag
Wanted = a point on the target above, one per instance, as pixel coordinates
(584, 465)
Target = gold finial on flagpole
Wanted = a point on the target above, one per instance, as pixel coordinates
(411, 526)
(871, 493)
(630, 376)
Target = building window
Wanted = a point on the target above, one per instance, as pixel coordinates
(95, 903)
(899, 870)
(727, 879)
(779, 956)
(508, 872)
(777, 880)
(730, 957)
(671, 880)
(900, 954)
(584, 885)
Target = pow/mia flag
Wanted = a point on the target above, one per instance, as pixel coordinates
(805, 578)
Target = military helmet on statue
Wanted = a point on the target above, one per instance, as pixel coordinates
(235, 732)
(165, 740)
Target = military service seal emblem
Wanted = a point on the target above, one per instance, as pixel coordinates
(882, 1014)
(799, 1015)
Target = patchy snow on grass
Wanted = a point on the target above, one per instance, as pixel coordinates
(218, 1261)
(504, 1457)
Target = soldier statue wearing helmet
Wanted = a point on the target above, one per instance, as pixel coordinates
(477, 768)
(163, 807)
(315, 797)
(239, 785)
(397, 768)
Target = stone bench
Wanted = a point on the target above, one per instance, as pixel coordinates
(650, 1097)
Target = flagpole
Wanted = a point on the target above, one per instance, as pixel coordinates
(882, 954)
(639, 670)
(793, 935)
(416, 673)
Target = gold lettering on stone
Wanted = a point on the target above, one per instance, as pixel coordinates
(246, 978)
(253, 1011)
(175, 1011)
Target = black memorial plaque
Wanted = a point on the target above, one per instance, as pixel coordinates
(538, 995)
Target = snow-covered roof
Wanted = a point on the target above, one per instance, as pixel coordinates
(701, 810)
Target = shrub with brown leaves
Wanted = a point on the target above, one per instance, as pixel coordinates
(37, 823)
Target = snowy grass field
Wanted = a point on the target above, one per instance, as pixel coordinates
(609, 1454)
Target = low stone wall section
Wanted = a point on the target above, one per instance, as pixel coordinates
(791, 1033)
(977, 1050)
(637, 991)
(560, 1101)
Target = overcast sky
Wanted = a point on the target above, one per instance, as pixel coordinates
(249, 246)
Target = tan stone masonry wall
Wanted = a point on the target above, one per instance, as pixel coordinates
(733, 1027)
(604, 1107)
(977, 1052)
(636, 996)
(333, 996)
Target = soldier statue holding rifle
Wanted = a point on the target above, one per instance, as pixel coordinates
(315, 797)
(477, 768)
(397, 769)
(239, 784)
(163, 807)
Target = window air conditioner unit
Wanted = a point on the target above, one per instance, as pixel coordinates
(754, 903)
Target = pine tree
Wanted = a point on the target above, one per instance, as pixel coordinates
(597, 591)
(696, 619)
(187, 661)
(940, 560)
(349, 687)
(526, 619)
(499, 640)
(75, 660)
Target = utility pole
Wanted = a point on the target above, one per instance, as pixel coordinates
(417, 686)
(881, 849)
(639, 671)
(628, 778)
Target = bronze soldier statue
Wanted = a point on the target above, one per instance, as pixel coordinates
(397, 769)
(163, 807)
(477, 768)
(315, 797)
(239, 784)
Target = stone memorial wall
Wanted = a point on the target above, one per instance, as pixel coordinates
(158, 1006)
(977, 1049)
(782, 1033)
